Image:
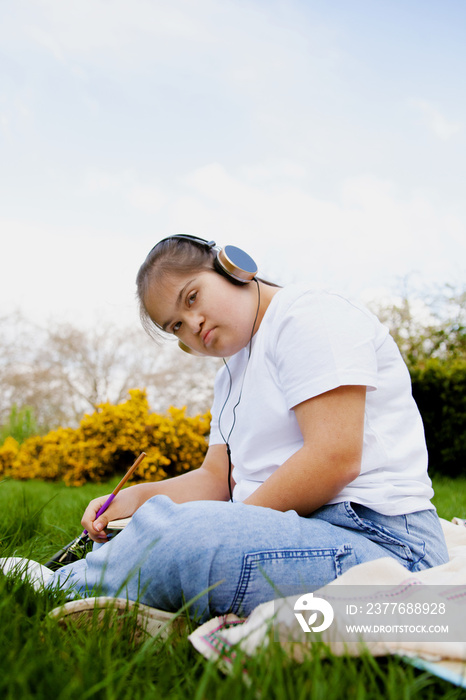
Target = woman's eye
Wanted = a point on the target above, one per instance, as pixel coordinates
(192, 298)
(176, 327)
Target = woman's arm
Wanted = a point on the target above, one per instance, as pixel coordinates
(332, 425)
(209, 482)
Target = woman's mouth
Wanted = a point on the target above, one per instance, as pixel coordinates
(207, 336)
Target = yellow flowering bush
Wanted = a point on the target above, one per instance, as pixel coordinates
(46, 457)
(8, 452)
(107, 441)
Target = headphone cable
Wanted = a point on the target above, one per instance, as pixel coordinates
(227, 439)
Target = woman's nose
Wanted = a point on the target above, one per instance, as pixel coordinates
(194, 322)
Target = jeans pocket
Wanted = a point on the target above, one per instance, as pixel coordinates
(397, 543)
(276, 573)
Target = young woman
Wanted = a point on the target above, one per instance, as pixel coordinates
(317, 458)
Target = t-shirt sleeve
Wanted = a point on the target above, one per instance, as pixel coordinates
(323, 341)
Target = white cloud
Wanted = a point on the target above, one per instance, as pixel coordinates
(126, 185)
(74, 273)
(84, 26)
(98, 180)
(46, 40)
(264, 53)
(273, 170)
(367, 237)
(149, 199)
(368, 233)
(436, 121)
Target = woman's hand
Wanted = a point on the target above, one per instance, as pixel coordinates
(122, 506)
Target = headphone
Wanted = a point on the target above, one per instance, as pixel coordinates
(230, 261)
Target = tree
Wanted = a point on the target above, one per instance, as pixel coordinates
(427, 325)
(62, 371)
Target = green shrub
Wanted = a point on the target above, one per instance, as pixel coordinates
(439, 388)
(20, 425)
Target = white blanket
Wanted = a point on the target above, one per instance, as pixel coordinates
(446, 659)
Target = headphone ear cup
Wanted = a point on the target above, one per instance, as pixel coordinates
(236, 264)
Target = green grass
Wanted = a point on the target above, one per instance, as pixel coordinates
(40, 659)
(450, 497)
(20, 424)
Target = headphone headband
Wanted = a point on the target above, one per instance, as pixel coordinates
(230, 261)
(188, 237)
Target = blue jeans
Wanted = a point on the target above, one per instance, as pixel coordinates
(170, 553)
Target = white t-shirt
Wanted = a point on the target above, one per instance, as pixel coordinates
(308, 343)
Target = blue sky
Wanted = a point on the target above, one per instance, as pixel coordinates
(326, 138)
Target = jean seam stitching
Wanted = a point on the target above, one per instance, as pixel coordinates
(252, 559)
(368, 529)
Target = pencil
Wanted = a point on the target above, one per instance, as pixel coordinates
(119, 486)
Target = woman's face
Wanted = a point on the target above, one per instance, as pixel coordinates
(205, 311)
